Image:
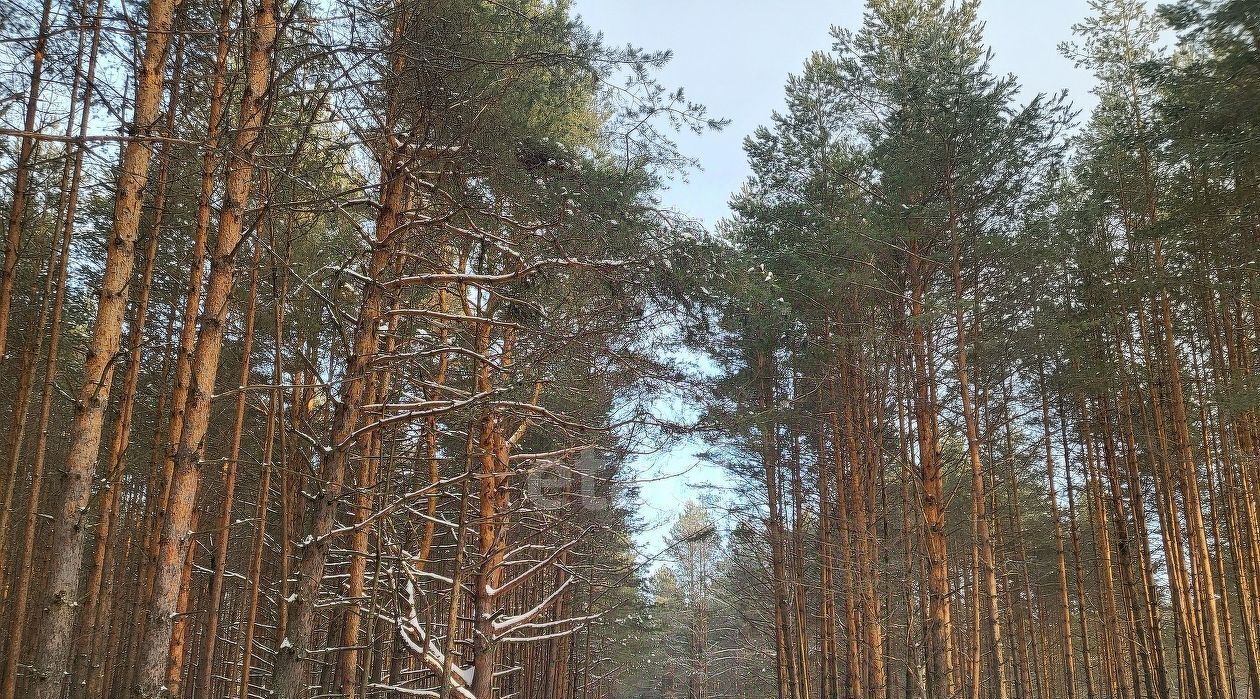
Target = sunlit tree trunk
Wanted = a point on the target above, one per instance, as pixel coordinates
(176, 537)
(69, 530)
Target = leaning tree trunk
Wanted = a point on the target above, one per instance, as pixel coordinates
(176, 539)
(61, 591)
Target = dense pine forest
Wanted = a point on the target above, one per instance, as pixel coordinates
(333, 336)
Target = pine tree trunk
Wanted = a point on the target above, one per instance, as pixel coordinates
(43, 674)
(789, 681)
(275, 418)
(987, 568)
(366, 478)
(205, 662)
(828, 671)
(116, 461)
(22, 175)
(299, 607)
(71, 177)
(941, 679)
(1074, 536)
(1217, 674)
(21, 410)
(53, 647)
(176, 537)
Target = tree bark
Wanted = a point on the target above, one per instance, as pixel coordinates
(53, 647)
(176, 537)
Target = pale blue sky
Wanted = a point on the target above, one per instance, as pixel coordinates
(734, 56)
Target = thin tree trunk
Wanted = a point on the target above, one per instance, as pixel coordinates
(22, 175)
(288, 679)
(1091, 690)
(21, 408)
(206, 661)
(987, 569)
(41, 674)
(348, 662)
(1217, 674)
(828, 671)
(275, 417)
(941, 680)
